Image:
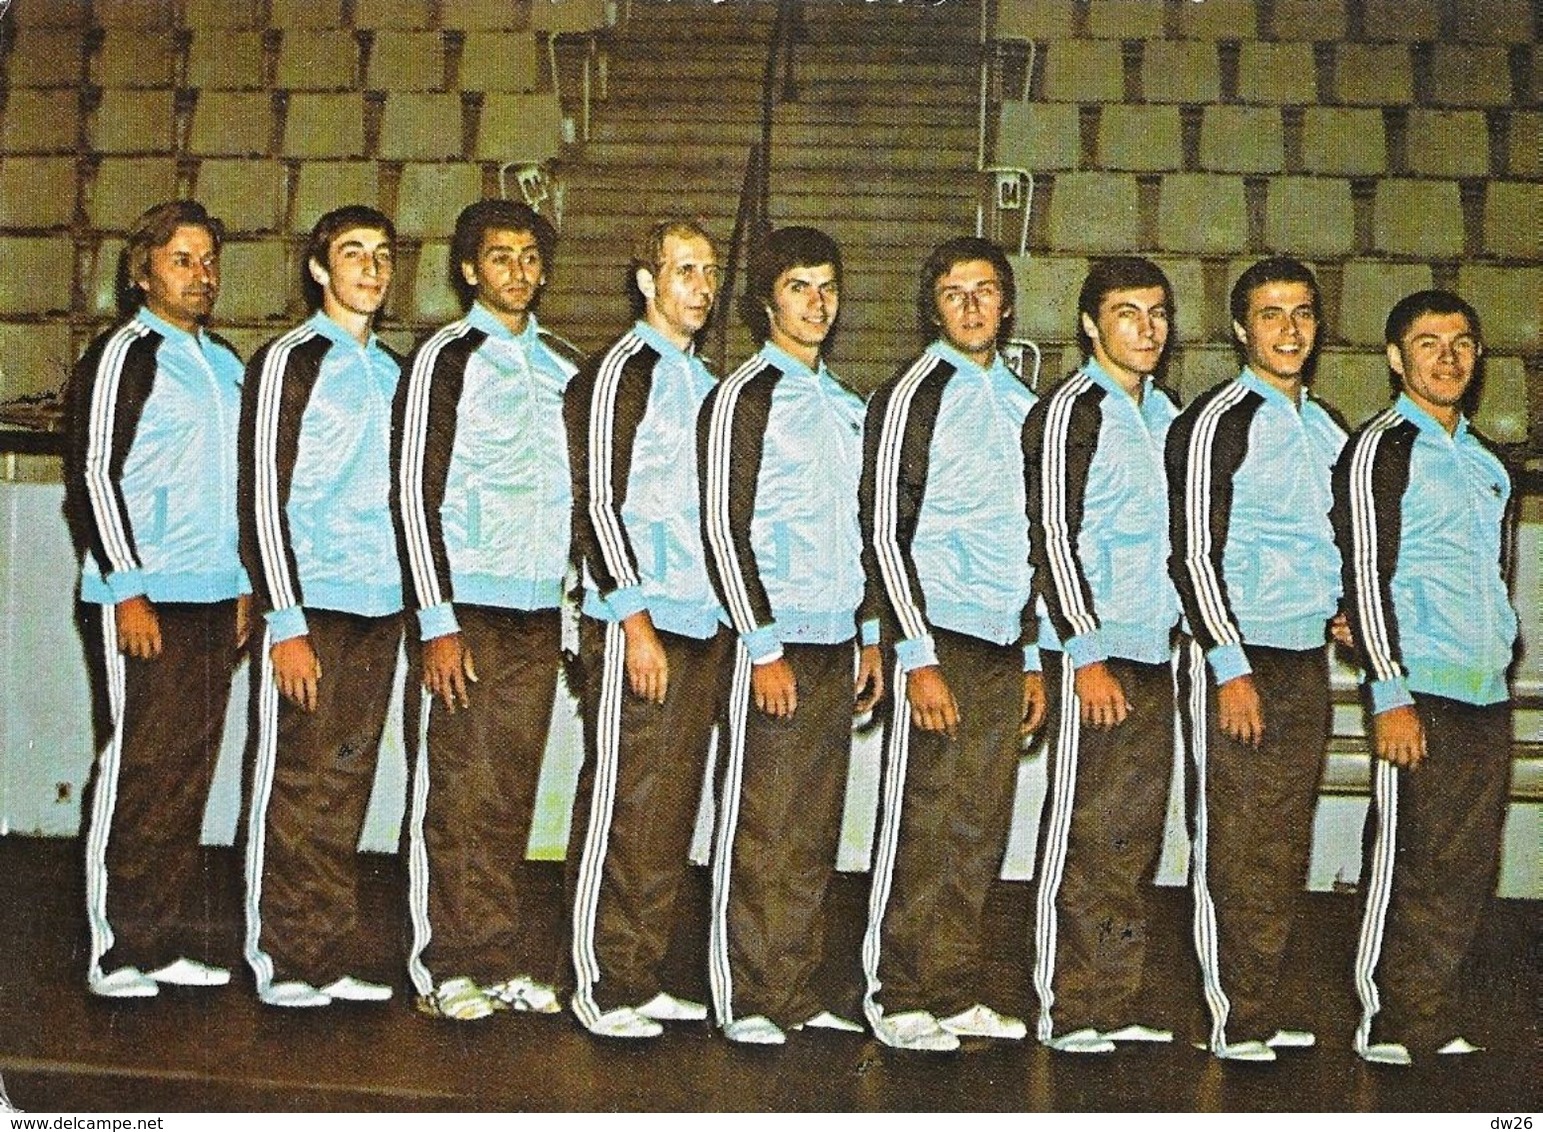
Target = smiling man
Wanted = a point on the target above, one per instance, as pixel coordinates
(946, 532)
(1257, 572)
(480, 462)
(652, 637)
(150, 489)
(781, 454)
(1098, 506)
(1420, 514)
(318, 540)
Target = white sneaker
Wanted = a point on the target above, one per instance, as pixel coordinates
(1081, 1041)
(914, 1029)
(458, 999)
(190, 973)
(825, 1020)
(1460, 1045)
(1136, 1032)
(125, 982)
(349, 989)
(665, 1007)
(293, 993)
(1251, 1050)
(624, 1022)
(1291, 1039)
(980, 1021)
(524, 994)
(1387, 1053)
(756, 1030)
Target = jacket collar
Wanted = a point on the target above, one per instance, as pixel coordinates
(330, 330)
(1101, 378)
(1251, 380)
(167, 331)
(1428, 424)
(480, 318)
(659, 342)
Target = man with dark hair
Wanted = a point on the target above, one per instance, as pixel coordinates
(1420, 514)
(945, 530)
(318, 540)
(652, 641)
(780, 455)
(150, 486)
(1098, 509)
(483, 501)
(1257, 573)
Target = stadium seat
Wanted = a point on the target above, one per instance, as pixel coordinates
(1502, 411)
(1125, 19)
(133, 121)
(421, 127)
(247, 195)
(325, 185)
(37, 192)
(1200, 367)
(226, 59)
(1202, 213)
(255, 280)
(1312, 216)
(44, 57)
(1094, 212)
(520, 127)
(1182, 71)
(1039, 135)
(142, 15)
(1400, 21)
(1447, 143)
(101, 275)
(1242, 139)
(483, 15)
(407, 60)
(230, 15)
(431, 196)
(1045, 307)
(232, 124)
(136, 58)
(34, 358)
(569, 16)
(1355, 382)
(1368, 290)
(1423, 218)
(404, 15)
(1277, 74)
(1465, 75)
(434, 300)
(324, 125)
(1507, 301)
(1344, 142)
(1194, 318)
(1219, 20)
(1083, 70)
(499, 61)
(1144, 139)
(1496, 21)
(38, 274)
(1525, 144)
(125, 186)
(305, 13)
(1022, 20)
(53, 14)
(1373, 74)
(1315, 21)
(318, 60)
(40, 121)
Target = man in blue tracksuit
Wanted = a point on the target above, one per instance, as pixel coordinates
(1257, 573)
(780, 457)
(483, 501)
(652, 640)
(1098, 507)
(945, 529)
(150, 488)
(317, 537)
(1420, 504)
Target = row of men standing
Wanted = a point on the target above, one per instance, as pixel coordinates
(755, 552)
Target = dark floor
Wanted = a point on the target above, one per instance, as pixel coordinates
(60, 1049)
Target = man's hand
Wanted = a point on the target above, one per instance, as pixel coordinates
(243, 620)
(1400, 736)
(648, 669)
(447, 666)
(139, 629)
(1034, 706)
(1103, 700)
(296, 671)
(1339, 631)
(1239, 711)
(774, 688)
(933, 707)
(870, 676)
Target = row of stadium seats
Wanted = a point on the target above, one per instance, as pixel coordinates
(458, 15)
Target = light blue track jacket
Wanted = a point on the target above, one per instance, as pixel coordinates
(316, 476)
(154, 465)
(1420, 516)
(781, 452)
(1253, 557)
(481, 470)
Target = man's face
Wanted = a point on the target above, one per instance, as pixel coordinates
(678, 298)
(971, 307)
(1279, 330)
(358, 271)
(803, 306)
(1130, 331)
(508, 273)
(1436, 359)
(182, 277)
